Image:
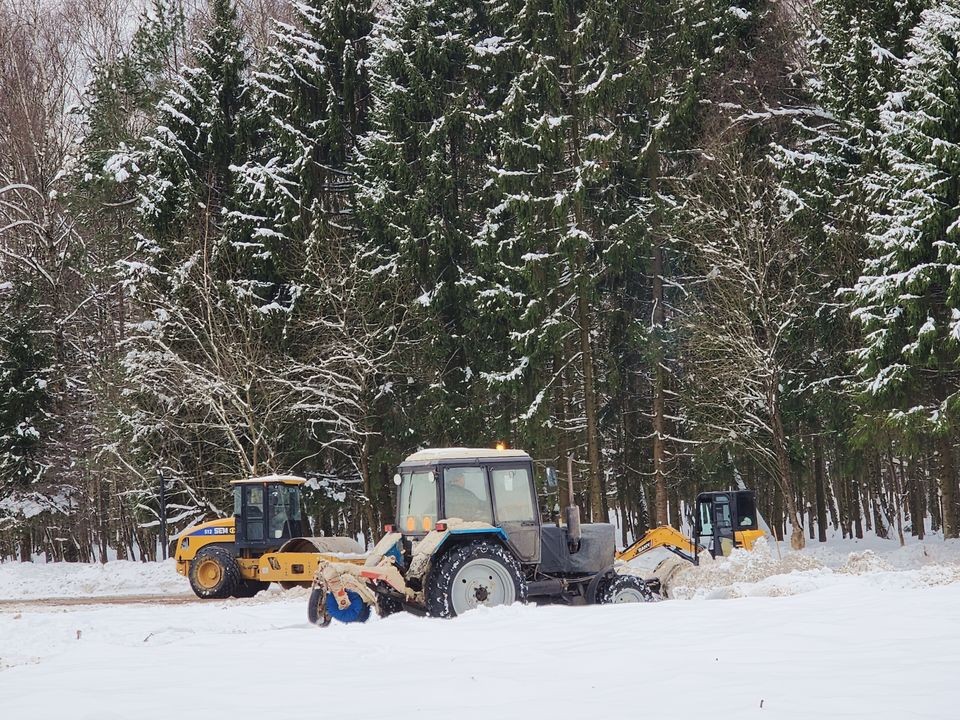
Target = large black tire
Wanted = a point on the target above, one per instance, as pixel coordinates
(624, 589)
(478, 573)
(317, 608)
(249, 588)
(214, 574)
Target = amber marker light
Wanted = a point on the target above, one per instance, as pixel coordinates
(501, 445)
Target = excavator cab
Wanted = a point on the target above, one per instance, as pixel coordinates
(725, 520)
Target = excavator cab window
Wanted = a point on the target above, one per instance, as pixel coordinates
(715, 523)
(705, 524)
(746, 511)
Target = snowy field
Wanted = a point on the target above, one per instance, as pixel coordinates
(850, 630)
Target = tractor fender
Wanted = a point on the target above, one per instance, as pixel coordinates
(436, 540)
(594, 584)
(469, 534)
(327, 545)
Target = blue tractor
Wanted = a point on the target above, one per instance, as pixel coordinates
(468, 532)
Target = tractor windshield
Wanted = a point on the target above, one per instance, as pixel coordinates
(418, 501)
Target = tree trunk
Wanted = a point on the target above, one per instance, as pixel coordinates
(102, 509)
(918, 511)
(863, 489)
(820, 490)
(776, 512)
(832, 501)
(797, 541)
(874, 485)
(590, 405)
(855, 511)
(933, 496)
(26, 546)
(897, 494)
(659, 411)
(560, 407)
(369, 506)
(659, 381)
(948, 488)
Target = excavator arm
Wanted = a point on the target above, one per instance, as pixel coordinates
(663, 536)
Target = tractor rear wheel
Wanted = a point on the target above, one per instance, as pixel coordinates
(214, 574)
(467, 576)
(625, 589)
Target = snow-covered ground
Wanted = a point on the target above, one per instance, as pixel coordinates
(823, 634)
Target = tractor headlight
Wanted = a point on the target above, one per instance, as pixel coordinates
(185, 543)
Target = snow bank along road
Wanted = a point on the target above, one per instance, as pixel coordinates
(875, 643)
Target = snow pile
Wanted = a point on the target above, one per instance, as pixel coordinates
(744, 573)
(760, 573)
(862, 563)
(934, 575)
(20, 581)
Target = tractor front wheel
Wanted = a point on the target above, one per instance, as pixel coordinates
(214, 574)
(478, 573)
(625, 589)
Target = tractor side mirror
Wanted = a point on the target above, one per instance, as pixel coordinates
(397, 479)
(551, 478)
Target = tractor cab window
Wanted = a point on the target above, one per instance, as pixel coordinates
(284, 511)
(466, 495)
(513, 495)
(418, 501)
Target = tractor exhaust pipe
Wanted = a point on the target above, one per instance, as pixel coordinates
(572, 512)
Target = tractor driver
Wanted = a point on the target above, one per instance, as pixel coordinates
(463, 503)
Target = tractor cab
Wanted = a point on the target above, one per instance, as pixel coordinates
(494, 487)
(725, 520)
(266, 511)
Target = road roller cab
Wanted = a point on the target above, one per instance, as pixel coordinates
(267, 511)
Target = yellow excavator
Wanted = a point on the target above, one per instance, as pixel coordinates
(723, 521)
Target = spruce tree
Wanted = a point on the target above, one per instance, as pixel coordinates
(908, 296)
(602, 95)
(309, 106)
(421, 175)
(24, 418)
